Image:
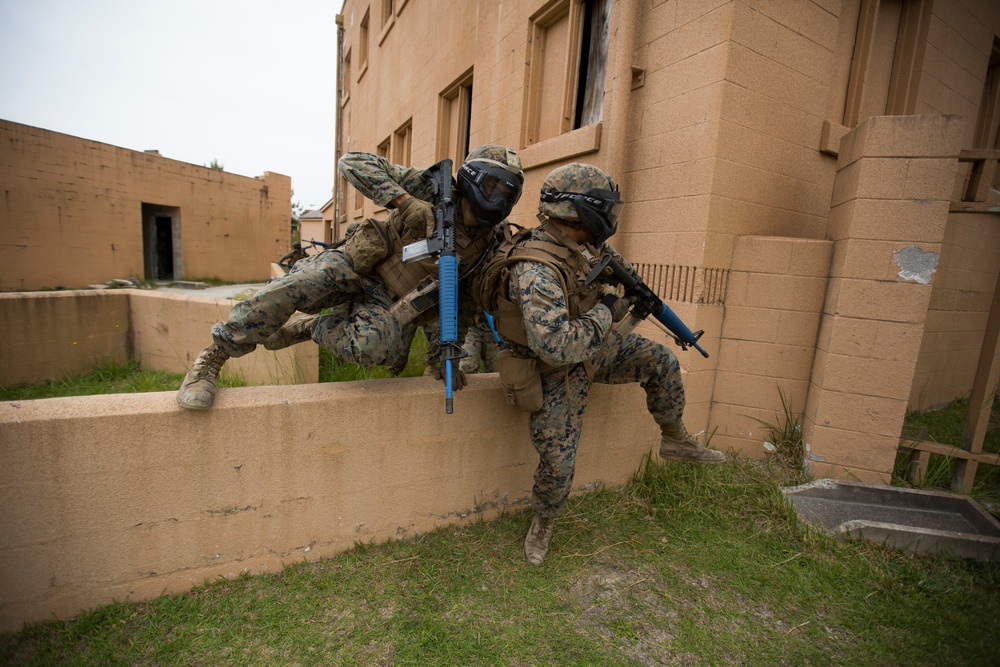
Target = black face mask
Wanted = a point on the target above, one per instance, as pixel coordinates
(596, 208)
(491, 190)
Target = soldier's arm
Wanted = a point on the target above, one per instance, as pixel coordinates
(557, 340)
(382, 181)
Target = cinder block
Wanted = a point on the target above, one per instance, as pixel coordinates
(800, 293)
(882, 416)
(929, 178)
(916, 221)
(871, 377)
(905, 136)
(880, 178)
(762, 254)
(798, 328)
(850, 336)
(758, 324)
(874, 300)
(837, 410)
(836, 447)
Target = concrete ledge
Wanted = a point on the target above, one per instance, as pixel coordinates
(129, 497)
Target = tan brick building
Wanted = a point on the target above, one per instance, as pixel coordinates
(76, 212)
(791, 170)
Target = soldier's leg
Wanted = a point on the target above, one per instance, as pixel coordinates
(490, 351)
(365, 333)
(633, 358)
(328, 276)
(319, 281)
(473, 344)
(555, 434)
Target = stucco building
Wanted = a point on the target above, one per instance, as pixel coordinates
(806, 181)
(76, 212)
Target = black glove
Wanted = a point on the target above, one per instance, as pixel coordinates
(457, 375)
(618, 307)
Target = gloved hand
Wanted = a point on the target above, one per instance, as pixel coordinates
(457, 375)
(618, 307)
(418, 217)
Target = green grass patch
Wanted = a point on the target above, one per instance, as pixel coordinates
(686, 565)
(332, 369)
(945, 426)
(109, 377)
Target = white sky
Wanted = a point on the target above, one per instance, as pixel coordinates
(250, 83)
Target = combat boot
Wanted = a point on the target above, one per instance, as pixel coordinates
(536, 542)
(197, 392)
(296, 330)
(677, 444)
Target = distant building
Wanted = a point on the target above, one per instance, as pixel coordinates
(76, 212)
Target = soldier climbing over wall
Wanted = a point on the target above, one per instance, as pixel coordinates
(365, 281)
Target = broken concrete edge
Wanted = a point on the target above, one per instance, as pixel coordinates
(984, 548)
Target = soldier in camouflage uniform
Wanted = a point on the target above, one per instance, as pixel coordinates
(552, 317)
(363, 279)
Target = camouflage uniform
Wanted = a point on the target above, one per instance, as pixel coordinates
(564, 345)
(479, 345)
(360, 330)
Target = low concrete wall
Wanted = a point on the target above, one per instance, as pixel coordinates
(48, 335)
(129, 497)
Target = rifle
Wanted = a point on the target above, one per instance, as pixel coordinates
(443, 245)
(646, 303)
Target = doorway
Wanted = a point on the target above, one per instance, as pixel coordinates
(160, 241)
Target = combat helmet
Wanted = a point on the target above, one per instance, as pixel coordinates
(491, 180)
(582, 193)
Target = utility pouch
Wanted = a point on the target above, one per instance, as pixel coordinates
(521, 381)
(417, 302)
(368, 245)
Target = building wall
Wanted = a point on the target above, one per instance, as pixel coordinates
(963, 290)
(73, 331)
(72, 213)
(723, 124)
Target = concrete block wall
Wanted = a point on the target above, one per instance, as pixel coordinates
(775, 298)
(129, 497)
(888, 220)
(48, 335)
(961, 295)
(72, 213)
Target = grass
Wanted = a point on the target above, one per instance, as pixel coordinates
(112, 377)
(109, 377)
(945, 426)
(686, 565)
(332, 369)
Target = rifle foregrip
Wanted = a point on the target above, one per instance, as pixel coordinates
(669, 319)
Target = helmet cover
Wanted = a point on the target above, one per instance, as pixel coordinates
(582, 193)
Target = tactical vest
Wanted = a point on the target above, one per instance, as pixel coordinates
(378, 244)
(491, 286)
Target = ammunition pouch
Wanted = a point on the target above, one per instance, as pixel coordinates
(417, 302)
(521, 381)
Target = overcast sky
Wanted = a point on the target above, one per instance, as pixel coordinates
(250, 83)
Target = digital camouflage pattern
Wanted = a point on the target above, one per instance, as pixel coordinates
(479, 345)
(575, 177)
(359, 330)
(566, 344)
(381, 181)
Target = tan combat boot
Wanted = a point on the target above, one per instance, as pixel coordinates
(197, 392)
(296, 330)
(536, 542)
(677, 444)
